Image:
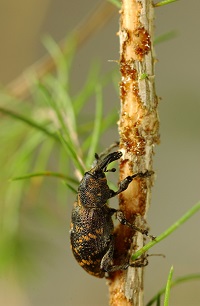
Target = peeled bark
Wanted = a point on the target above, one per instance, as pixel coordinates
(138, 129)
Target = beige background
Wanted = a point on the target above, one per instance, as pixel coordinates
(177, 161)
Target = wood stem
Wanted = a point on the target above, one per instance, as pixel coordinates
(138, 129)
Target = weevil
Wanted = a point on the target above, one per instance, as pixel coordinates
(91, 230)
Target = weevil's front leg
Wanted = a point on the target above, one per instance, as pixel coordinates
(125, 183)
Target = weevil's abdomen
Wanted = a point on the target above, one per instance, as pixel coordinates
(90, 234)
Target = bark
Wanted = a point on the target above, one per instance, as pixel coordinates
(138, 129)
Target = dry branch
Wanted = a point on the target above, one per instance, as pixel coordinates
(138, 128)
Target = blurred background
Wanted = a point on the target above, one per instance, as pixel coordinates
(54, 277)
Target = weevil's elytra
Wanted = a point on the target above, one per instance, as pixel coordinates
(91, 231)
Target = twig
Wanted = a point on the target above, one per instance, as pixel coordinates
(138, 128)
(96, 19)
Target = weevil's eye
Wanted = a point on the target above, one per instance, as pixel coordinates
(110, 170)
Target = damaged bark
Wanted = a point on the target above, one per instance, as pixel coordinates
(138, 129)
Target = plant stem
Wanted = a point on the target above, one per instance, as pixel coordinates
(177, 281)
(138, 128)
(168, 231)
(168, 287)
(29, 122)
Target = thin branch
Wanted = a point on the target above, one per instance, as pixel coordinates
(138, 128)
(177, 281)
(168, 231)
(46, 173)
(168, 287)
(164, 2)
(29, 122)
(97, 18)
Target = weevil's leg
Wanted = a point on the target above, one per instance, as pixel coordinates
(124, 221)
(139, 263)
(117, 267)
(107, 260)
(125, 183)
(121, 218)
(123, 186)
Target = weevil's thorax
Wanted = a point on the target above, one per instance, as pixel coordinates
(93, 190)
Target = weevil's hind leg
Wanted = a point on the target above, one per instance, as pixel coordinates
(107, 260)
(139, 263)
